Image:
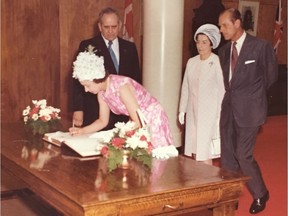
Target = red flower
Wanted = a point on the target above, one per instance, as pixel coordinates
(34, 111)
(104, 151)
(130, 133)
(118, 142)
(43, 119)
(143, 138)
(53, 115)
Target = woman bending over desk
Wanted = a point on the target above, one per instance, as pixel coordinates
(123, 96)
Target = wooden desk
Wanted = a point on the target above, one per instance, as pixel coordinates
(173, 187)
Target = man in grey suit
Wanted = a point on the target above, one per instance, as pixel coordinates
(249, 69)
(85, 105)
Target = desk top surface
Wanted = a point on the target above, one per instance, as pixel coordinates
(87, 182)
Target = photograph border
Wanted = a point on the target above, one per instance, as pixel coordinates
(254, 8)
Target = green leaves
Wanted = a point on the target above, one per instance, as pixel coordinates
(40, 127)
(115, 157)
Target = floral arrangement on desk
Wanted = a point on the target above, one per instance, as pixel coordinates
(40, 118)
(136, 143)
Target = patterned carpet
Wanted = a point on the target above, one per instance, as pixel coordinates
(271, 154)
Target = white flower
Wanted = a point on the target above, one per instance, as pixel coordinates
(134, 142)
(47, 118)
(55, 110)
(26, 111)
(26, 118)
(119, 125)
(45, 112)
(35, 117)
(41, 103)
(144, 132)
(124, 127)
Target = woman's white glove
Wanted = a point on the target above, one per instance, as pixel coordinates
(181, 117)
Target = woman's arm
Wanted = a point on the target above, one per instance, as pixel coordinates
(127, 95)
(100, 123)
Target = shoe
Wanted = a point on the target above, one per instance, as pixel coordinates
(259, 204)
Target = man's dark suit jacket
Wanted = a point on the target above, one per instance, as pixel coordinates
(128, 66)
(256, 70)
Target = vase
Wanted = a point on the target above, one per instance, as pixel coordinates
(34, 140)
(125, 180)
(125, 160)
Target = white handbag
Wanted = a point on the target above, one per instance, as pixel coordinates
(216, 143)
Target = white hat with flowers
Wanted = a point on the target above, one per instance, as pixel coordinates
(88, 66)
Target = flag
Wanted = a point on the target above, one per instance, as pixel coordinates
(278, 27)
(128, 21)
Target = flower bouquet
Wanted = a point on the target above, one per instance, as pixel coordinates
(126, 143)
(40, 119)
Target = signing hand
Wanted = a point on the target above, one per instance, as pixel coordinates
(75, 131)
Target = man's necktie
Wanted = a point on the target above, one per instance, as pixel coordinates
(234, 58)
(113, 56)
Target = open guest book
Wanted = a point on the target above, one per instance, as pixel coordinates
(84, 145)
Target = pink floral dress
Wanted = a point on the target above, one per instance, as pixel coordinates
(150, 107)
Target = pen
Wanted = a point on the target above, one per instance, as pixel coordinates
(73, 125)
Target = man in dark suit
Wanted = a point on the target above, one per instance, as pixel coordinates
(244, 107)
(85, 104)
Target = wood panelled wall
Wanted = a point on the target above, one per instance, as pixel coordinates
(39, 40)
(30, 54)
(266, 23)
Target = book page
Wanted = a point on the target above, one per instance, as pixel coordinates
(57, 138)
(84, 146)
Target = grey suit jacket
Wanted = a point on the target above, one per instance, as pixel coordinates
(246, 94)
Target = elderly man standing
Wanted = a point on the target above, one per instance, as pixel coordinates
(120, 57)
(249, 68)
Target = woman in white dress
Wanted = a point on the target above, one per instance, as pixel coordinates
(201, 97)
